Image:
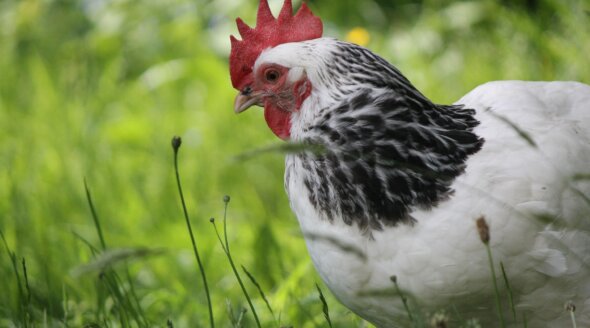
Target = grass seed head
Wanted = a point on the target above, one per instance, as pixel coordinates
(483, 229)
(176, 142)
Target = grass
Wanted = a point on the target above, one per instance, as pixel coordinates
(484, 234)
(404, 299)
(225, 246)
(509, 291)
(571, 308)
(176, 143)
(90, 93)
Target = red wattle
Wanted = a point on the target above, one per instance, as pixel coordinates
(279, 121)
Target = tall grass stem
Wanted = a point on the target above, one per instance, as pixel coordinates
(12, 255)
(253, 280)
(571, 308)
(176, 142)
(573, 316)
(95, 217)
(483, 229)
(404, 299)
(496, 290)
(27, 300)
(226, 250)
(510, 295)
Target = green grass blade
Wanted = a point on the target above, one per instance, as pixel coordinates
(95, 217)
(126, 298)
(495, 283)
(510, 295)
(325, 308)
(27, 299)
(93, 249)
(521, 133)
(110, 258)
(118, 299)
(309, 316)
(282, 148)
(134, 297)
(253, 280)
(20, 301)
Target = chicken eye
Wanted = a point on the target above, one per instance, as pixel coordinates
(271, 75)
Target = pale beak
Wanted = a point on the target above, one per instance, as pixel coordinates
(244, 102)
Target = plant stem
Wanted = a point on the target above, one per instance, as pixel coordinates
(496, 290)
(571, 308)
(573, 316)
(21, 293)
(510, 297)
(253, 280)
(176, 142)
(404, 299)
(226, 250)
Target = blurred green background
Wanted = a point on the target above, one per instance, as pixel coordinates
(95, 90)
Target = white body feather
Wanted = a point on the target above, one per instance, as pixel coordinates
(440, 261)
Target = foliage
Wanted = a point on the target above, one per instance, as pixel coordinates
(95, 89)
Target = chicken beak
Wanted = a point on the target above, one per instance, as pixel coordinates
(244, 102)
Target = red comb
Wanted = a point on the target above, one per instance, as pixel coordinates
(269, 32)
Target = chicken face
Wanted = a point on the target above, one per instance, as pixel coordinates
(280, 89)
(269, 85)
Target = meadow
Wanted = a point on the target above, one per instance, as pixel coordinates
(92, 92)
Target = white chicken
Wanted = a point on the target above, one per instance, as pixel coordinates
(399, 181)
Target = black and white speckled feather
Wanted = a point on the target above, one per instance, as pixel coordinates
(387, 148)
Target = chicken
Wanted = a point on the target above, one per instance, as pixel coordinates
(395, 183)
